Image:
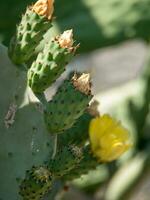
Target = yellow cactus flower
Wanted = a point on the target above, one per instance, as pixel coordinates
(108, 138)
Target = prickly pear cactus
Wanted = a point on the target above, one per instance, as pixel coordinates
(34, 156)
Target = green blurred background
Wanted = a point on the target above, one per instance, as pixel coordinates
(96, 23)
(122, 86)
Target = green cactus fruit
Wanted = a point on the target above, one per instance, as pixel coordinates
(68, 104)
(87, 163)
(65, 160)
(36, 184)
(29, 33)
(51, 62)
(78, 133)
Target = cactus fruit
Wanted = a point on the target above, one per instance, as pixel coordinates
(65, 160)
(78, 133)
(87, 163)
(51, 62)
(69, 103)
(36, 184)
(35, 22)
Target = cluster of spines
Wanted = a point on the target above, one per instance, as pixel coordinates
(36, 184)
(69, 103)
(29, 33)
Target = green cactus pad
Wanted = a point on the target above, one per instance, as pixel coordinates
(24, 140)
(78, 133)
(36, 184)
(65, 160)
(49, 65)
(65, 108)
(87, 163)
(29, 33)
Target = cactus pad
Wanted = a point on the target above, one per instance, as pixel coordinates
(24, 142)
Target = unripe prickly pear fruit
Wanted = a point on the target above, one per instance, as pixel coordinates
(87, 163)
(65, 160)
(68, 104)
(34, 23)
(36, 184)
(51, 62)
(78, 133)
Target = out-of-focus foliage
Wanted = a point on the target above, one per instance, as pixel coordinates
(96, 23)
(124, 175)
(102, 23)
(137, 109)
(10, 14)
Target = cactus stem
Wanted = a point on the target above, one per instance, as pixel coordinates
(55, 146)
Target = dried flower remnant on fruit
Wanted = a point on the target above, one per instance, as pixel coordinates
(82, 83)
(44, 8)
(66, 39)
